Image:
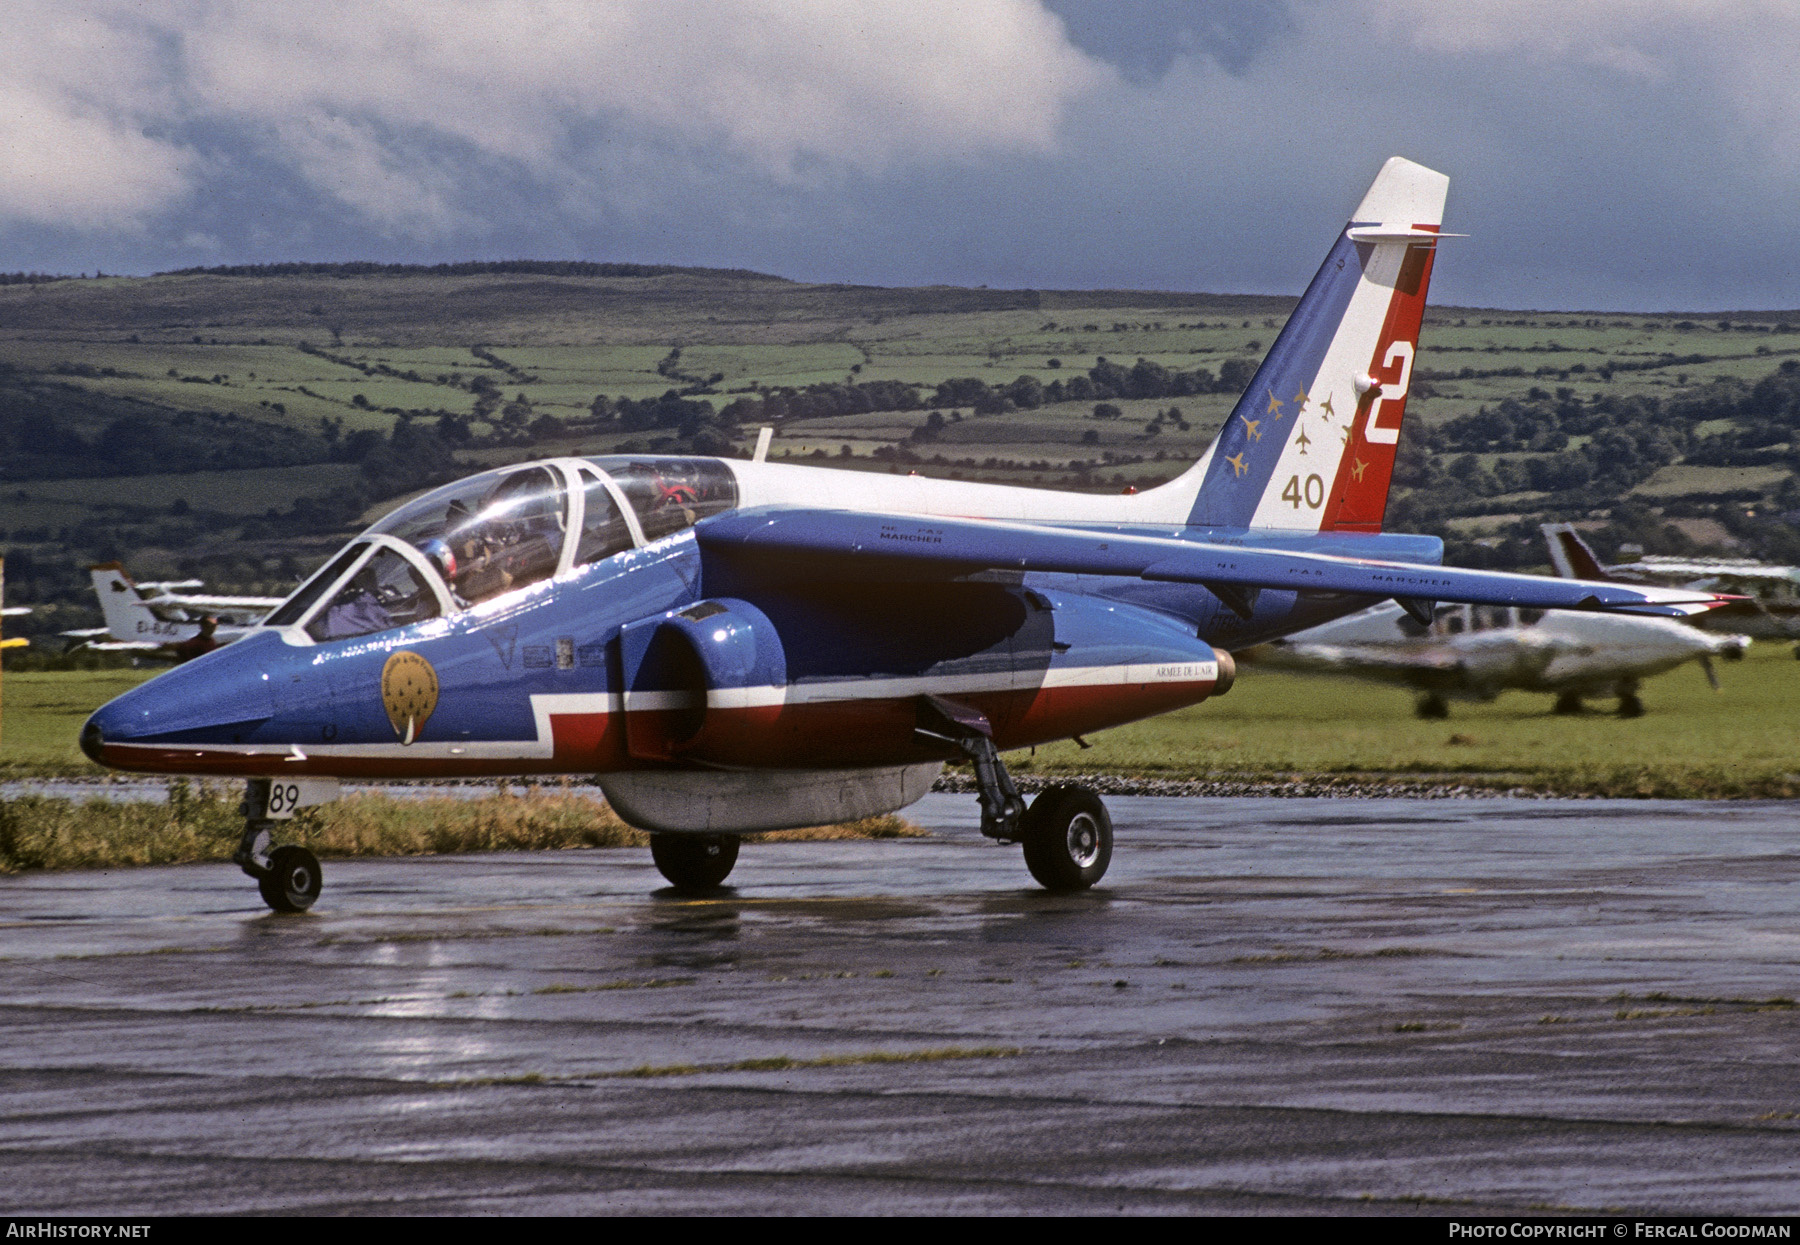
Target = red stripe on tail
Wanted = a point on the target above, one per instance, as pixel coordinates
(1359, 494)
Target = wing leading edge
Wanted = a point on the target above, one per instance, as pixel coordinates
(851, 544)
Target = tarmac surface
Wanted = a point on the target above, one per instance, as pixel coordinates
(1293, 1006)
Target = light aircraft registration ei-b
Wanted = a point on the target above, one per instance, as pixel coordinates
(164, 620)
(733, 647)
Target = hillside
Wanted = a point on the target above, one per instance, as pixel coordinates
(233, 424)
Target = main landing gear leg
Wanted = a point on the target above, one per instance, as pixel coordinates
(1002, 808)
(287, 876)
(1630, 706)
(1066, 833)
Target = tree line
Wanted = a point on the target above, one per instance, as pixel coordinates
(686, 412)
(467, 268)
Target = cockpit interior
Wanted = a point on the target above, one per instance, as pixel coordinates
(491, 534)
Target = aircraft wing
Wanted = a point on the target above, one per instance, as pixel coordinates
(204, 602)
(121, 646)
(85, 632)
(1360, 657)
(1427, 667)
(856, 544)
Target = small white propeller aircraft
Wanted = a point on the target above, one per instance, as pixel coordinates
(162, 619)
(1475, 652)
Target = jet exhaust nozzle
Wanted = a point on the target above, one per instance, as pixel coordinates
(1227, 672)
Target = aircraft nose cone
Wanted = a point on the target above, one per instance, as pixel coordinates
(217, 700)
(92, 739)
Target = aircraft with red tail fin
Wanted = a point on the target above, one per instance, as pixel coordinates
(732, 647)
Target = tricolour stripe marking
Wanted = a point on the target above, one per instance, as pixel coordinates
(1321, 429)
(547, 709)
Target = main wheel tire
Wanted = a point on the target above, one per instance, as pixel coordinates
(1569, 704)
(694, 862)
(1068, 839)
(1630, 706)
(293, 881)
(1431, 706)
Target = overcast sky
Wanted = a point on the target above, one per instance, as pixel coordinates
(1607, 154)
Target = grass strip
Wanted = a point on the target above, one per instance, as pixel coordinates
(202, 822)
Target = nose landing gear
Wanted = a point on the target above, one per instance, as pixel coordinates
(288, 876)
(293, 880)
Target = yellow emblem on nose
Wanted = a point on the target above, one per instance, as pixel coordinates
(409, 692)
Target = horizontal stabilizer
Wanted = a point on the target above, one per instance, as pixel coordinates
(1387, 233)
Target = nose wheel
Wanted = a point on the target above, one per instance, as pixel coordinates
(293, 880)
(1068, 839)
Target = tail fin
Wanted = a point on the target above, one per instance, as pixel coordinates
(122, 605)
(1570, 555)
(1311, 444)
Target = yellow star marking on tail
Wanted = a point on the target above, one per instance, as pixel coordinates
(1303, 441)
(1251, 426)
(1274, 407)
(1326, 407)
(1357, 468)
(1346, 435)
(1237, 463)
(1301, 396)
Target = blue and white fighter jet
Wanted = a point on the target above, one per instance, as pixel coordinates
(734, 647)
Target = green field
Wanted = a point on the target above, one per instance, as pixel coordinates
(41, 714)
(385, 343)
(1742, 740)
(1692, 741)
(251, 491)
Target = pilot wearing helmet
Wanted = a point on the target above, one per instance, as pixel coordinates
(442, 557)
(513, 538)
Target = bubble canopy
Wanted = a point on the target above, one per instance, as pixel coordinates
(490, 534)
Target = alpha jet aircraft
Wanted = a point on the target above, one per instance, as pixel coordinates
(734, 647)
(1475, 652)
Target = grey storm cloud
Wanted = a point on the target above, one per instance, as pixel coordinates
(1603, 153)
(360, 98)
